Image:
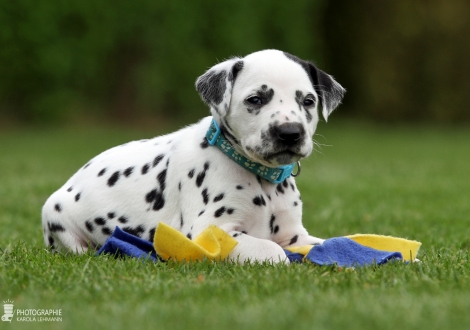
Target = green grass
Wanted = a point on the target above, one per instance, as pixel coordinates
(405, 181)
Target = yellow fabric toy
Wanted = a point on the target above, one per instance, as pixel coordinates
(408, 248)
(213, 243)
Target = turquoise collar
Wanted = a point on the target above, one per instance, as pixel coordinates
(275, 175)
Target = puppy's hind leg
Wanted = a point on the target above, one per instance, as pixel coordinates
(65, 242)
(57, 238)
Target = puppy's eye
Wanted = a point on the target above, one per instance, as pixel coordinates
(309, 102)
(255, 100)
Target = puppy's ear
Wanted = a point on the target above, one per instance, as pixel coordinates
(215, 86)
(329, 91)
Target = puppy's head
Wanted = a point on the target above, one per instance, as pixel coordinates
(267, 104)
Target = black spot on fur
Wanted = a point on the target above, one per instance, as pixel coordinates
(239, 187)
(70, 189)
(279, 188)
(152, 234)
(205, 196)
(145, 168)
(236, 234)
(230, 211)
(103, 171)
(294, 239)
(191, 173)
(155, 197)
(157, 160)
(204, 144)
(299, 98)
(285, 184)
(86, 165)
(218, 197)
(295, 203)
(179, 186)
(100, 221)
(265, 96)
(150, 197)
(201, 213)
(77, 197)
(58, 208)
(51, 241)
(293, 187)
(308, 115)
(111, 215)
(161, 177)
(189, 236)
(258, 178)
(89, 226)
(128, 171)
(137, 231)
(106, 231)
(271, 223)
(276, 229)
(219, 212)
(159, 202)
(123, 219)
(259, 200)
(244, 232)
(113, 179)
(200, 177)
(181, 220)
(54, 227)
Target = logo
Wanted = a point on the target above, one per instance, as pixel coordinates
(30, 314)
(7, 311)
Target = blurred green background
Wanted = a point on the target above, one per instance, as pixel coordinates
(74, 61)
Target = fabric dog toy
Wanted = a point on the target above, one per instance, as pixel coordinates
(215, 244)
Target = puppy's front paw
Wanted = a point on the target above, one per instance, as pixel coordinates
(251, 249)
(315, 240)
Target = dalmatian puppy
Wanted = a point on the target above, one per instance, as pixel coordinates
(266, 108)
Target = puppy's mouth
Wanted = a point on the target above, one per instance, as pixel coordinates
(273, 157)
(283, 157)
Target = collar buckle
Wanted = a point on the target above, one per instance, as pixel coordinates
(286, 172)
(213, 133)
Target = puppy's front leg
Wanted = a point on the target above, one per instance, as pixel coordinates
(250, 248)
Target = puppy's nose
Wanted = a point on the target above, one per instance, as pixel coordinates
(289, 133)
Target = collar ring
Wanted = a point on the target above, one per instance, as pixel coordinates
(298, 170)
